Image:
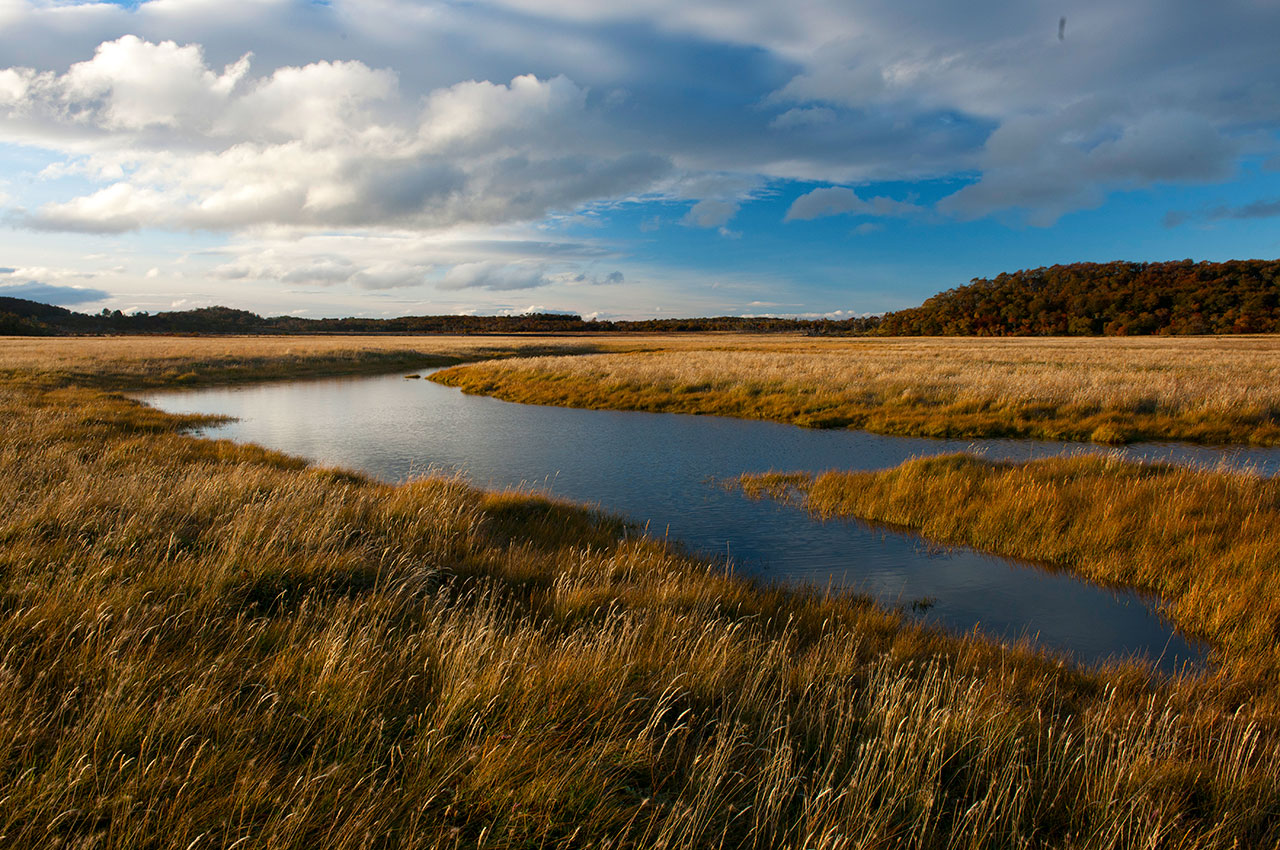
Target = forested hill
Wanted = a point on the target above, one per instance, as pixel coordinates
(30, 318)
(1240, 296)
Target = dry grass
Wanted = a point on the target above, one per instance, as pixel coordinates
(1204, 541)
(138, 362)
(1212, 390)
(205, 644)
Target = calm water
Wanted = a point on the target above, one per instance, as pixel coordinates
(661, 469)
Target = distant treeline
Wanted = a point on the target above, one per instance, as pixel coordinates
(1112, 299)
(21, 317)
(1082, 299)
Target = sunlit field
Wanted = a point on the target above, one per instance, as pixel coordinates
(1109, 390)
(1203, 540)
(134, 362)
(208, 644)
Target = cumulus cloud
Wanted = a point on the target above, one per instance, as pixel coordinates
(711, 213)
(1043, 164)
(328, 144)
(840, 200)
(162, 106)
(877, 64)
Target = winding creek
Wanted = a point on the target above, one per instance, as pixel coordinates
(661, 469)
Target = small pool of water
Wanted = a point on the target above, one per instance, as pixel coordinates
(662, 470)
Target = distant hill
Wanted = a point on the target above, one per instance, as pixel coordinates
(1083, 299)
(21, 317)
(1115, 299)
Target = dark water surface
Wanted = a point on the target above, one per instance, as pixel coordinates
(660, 469)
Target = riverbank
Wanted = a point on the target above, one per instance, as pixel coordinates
(1201, 540)
(203, 642)
(1108, 390)
(153, 362)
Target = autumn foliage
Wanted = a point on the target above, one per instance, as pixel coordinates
(1112, 299)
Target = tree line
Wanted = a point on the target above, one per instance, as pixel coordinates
(1112, 299)
(1081, 299)
(21, 317)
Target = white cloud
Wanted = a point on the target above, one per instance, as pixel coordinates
(1043, 166)
(456, 259)
(329, 144)
(492, 275)
(1135, 93)
(379, 115)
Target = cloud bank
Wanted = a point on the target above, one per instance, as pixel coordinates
(1133, 95)
(330, 144)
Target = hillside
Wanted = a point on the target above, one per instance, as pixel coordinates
(1113, 299)
(29, 318)
(1082, 299)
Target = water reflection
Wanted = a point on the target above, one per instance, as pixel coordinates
(660, 469)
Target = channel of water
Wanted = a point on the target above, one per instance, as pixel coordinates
(664, 470)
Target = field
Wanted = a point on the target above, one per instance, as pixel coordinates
(212, 645)
(138, 362)
(1203, 540)
(1109, 390)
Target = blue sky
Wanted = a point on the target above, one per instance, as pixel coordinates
(654, 158)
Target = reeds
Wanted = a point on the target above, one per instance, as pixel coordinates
(1203, 540)
(137, 362)
(206, 644)
(1109, 390)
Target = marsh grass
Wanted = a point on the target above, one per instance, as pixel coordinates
(1108, 390)
(204, 644)
(137, 362)
(1203, 540)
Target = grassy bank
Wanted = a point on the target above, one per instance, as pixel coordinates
(1204, 541)
(137, 362)
(205, 644)
(1208, 390)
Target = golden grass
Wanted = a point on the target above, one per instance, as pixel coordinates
(1204, 541)
(207, 644)
(136, 362)
(1110, 390)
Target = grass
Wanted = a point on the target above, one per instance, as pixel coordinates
(137, 362)
(208, 644)
(1203, 540)
(1108, 390)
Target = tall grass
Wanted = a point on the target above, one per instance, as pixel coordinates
(1213, 390)
(1204, 540)
(137, 362)
(207, 644)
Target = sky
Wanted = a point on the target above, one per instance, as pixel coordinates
(651, 158)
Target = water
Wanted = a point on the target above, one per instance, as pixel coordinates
(662, 469)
